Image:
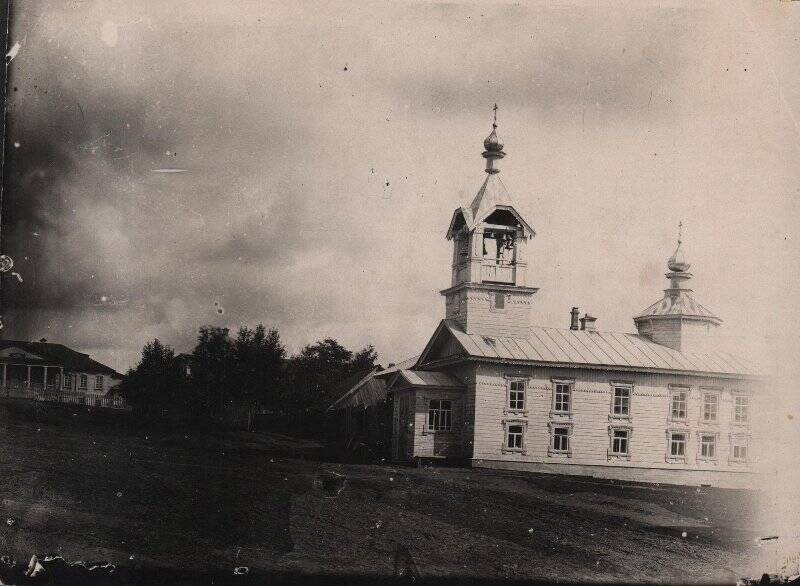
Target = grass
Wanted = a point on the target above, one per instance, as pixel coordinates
(211, 502)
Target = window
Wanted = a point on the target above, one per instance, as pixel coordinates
(622, 401)
(440, 414)
(710, 403)
(67, 381)
(514, 436)
(98, 382)
(561, 401)
(83, 381)
(678, 408)
(516, 395)
(619, 442)
(560, 439)
(677, 445)
(739, 449)
(708, 446)
(741, 408)
(499, 301)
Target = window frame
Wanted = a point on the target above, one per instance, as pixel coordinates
(431, 411)
(66, 381)
(570, 384)
(736, 396)
(551, 449)
(673, 391)
(709, 393)
(83, 382)
(511, 380)
(701, 434)
(622, 385)
(493, 301)
(98, 382)
(611, 454)
(681, 458)
(737, 440)
(507, 424)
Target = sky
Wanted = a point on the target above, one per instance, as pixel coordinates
(319, 152)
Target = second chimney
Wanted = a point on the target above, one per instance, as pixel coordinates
(573, 318)
(587, 323)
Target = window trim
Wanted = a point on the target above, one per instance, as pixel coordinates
(741, 395)
(700, 457)
(508, 423)
(674, 390)
(512, 379)
(98, 382)
(668, 453)
(569, 383)
(621, 416)
(704, 392)
(735, 439)
(551, 451)
(426, 428)
(493, 301)
(66, 381)
(81, 384)
(612, 455)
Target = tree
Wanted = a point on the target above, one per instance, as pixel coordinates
(158, 382)
(259, 366)
(213, 367)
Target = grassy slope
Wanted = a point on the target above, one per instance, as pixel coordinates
(175, 500)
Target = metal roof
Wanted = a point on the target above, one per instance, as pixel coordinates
(682, 304)
(491, 195)
(430, 378)
(600, 349)
(62, 356)
(369, 388)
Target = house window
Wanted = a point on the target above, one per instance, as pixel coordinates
(440, 414)
(678, 408)
(619, 442)
(516, 395)
(98, 382)
(83, 381)
(739, 449)
(677, 445)
(561, 439)
(622, 401)
(67, 381)
(515, 436)
(708, 446)
(562, 397)
(710, 404)
(499, 301)
(741, 408)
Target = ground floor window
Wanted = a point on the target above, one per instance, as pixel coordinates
(739, 448)
(620, 442)
(440, 415)
(514, 436)
(677, 445)
(708, 446)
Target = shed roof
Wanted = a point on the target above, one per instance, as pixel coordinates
(553, 346)
(430, 378)
(367, 388)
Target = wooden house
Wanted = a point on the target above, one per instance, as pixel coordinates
(659, 405)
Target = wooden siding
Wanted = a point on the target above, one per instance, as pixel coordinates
(591, 418)
(474, 310)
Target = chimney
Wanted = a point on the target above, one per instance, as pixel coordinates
(573, 318)
(587, 323)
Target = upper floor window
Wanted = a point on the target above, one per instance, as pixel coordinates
(440, 414)
(499, 301)
(516, 395)
(741, 408)
(622, 401)
(678, 405)
(562, 397)
(98, 382)
(710, 405)
(83, 381)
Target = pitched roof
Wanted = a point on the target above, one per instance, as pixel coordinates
(682, 304)
(571, 348)
(62, 356)
(430, 378)
(492, 195)
(366, 387)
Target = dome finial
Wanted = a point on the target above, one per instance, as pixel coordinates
(493, 146)
(677, 263)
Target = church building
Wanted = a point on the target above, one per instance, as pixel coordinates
(490, 387)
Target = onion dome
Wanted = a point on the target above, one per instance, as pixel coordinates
(677, 262)
(493, 144)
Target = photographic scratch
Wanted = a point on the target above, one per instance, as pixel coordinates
(13, 52)
(169, 170)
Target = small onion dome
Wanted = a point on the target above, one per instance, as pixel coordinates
(677, 263)
(493, 142)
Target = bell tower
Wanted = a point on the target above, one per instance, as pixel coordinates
(489, 293)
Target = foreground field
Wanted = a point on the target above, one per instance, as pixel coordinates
(209, 503)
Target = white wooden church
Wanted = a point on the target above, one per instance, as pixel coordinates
(661, 405)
